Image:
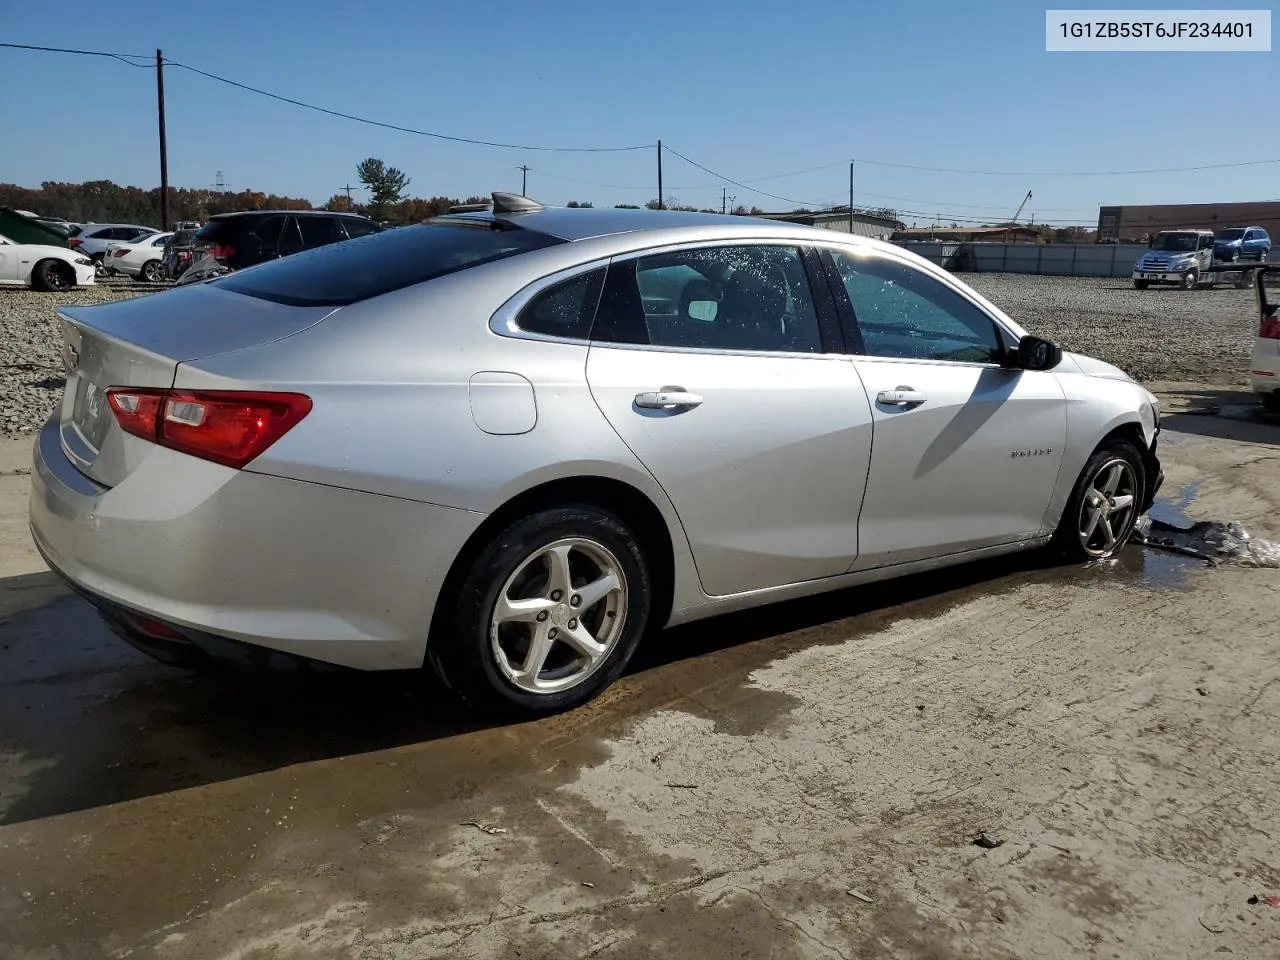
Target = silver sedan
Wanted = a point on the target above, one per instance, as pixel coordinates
(509, 443)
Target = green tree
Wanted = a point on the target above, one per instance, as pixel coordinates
(577, 205)
(386, 185)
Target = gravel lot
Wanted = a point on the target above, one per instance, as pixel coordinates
(31, 376)
(1200, 336)
(1162, 334)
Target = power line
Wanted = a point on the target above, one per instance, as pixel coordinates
(739, 183)
(403, 129)
(125, 58)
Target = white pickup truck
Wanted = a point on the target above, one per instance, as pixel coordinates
(1185, 258)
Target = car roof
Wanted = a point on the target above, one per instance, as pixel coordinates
(584, 223)
(90, 227)
(297, 213)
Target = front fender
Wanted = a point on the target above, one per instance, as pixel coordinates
(1096, 408)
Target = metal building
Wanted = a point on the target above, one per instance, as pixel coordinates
(1120, 224)
(864, 224)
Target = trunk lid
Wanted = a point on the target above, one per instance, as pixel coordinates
(139, 343)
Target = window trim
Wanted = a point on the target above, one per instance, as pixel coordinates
(853, 332)
(832, 332)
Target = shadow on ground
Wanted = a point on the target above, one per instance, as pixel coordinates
(85, 720)
(1222, 414)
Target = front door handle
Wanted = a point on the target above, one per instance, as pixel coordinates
(668, 398)
(901, 397)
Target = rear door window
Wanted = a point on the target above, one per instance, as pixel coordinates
(343, 273)
(750, 297)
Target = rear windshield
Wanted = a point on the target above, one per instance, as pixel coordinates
(355, 270)
(75, 231)
(214, 228)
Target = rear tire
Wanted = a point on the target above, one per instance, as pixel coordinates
(152, 271)
(53, 276)
(547, 615)
(1099, 517)
(1141, 284)
(1271, 403)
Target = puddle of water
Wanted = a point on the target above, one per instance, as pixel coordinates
(1173, 512)
(1212, 540)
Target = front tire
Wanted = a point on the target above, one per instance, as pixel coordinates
(1103, 508)
(547, 615)
(53, 276)
(1190, 279)
(1140, 284)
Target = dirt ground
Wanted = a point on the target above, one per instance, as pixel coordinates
(805, 781)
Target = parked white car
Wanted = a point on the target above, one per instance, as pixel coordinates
(1264, 369)
(141, 259)
(91, 239)
(43, 267)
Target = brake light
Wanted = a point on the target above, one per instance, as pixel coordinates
(229, 427)
(75, 242)
(121, 253)
(1270, 329)
(223, 251)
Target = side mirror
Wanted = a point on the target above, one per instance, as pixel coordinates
(1036, 353)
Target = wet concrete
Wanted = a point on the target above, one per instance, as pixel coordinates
(719, 800)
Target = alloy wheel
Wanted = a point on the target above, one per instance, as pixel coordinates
(559, 615)
(1108, 508)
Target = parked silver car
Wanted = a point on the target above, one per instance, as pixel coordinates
(506, 443)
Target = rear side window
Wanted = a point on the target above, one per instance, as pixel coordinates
(317, 231)
(343, 273)
(358, 228)
(268, 230)
(566, 309)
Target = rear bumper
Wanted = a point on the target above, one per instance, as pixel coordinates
(220, 555)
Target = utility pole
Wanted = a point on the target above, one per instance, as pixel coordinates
(660, 202)
(524, 179)
(850, 198)
(724, 199)
(164, 147)
(347, 188)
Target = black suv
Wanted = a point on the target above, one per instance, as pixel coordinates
(240, 240)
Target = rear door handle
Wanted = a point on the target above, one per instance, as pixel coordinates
(901, 397)
(668, 398)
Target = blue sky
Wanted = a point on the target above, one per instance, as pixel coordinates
(750, 90)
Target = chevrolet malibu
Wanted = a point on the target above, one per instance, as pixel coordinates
(507, 443)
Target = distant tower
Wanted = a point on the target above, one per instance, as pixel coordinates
(220, 184)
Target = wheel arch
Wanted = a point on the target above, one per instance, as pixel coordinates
(33, 277)
(633, 507)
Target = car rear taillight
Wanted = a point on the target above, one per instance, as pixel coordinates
(184, 254)
(75, 242)
(1270, 328)
(121, 253)
(223, 251)
(229, 427)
